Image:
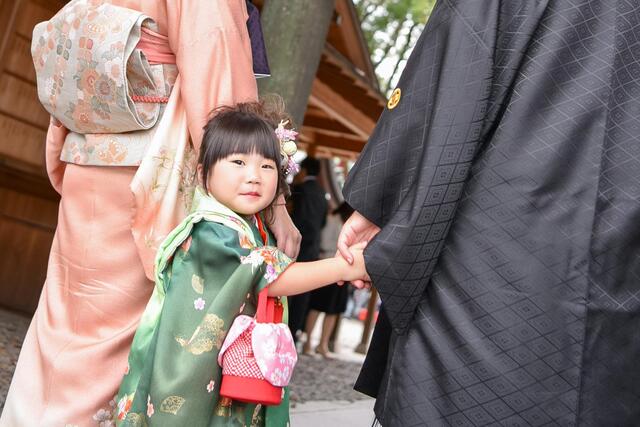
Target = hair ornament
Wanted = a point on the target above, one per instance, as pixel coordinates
(288, 147)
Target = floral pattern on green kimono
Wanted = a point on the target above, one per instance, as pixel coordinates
(208, 270)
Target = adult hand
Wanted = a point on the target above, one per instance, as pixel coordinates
(356, 272)
(357, 229)
(285, 232)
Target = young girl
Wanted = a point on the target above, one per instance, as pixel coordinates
(208, 271)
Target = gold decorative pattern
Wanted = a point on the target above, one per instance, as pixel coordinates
(256, 418)
(172, 404)
(135, 420)
(394, 99)
(208, 334)
(223, 408)
(197, 283)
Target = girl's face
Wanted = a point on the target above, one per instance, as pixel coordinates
(245, 183)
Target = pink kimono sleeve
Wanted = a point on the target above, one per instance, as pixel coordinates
(213, 55)
(56, 135)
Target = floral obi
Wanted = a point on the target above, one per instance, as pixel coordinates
(105, 73)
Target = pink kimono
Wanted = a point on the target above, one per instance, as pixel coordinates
(74, 355)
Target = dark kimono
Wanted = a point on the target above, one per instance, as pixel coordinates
(507, 184)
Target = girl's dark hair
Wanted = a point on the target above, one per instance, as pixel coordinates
(245, 128)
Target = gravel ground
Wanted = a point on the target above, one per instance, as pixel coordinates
(13, 328)
(314, 379)
(320, 379)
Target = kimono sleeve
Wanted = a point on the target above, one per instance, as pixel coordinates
(213, 55)
(412, 172)
(56, 135)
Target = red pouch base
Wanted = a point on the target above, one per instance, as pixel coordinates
(250, 390)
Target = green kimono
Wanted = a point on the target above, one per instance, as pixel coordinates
(208, 270)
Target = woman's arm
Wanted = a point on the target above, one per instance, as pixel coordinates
(213, 55)
(302, 277)
(283, 229)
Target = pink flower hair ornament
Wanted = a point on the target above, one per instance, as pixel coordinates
(288, 147)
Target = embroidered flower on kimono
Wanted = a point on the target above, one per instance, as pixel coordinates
(245, 243)
(150, 410)
(105, 89)
(254, 258)
(126, 370)
(102, 415)
(82, 113)
(124, 405)
(199, 304)
(88, 80)
(270, 275)
(267, 255)
(210, 386)
(112, 69)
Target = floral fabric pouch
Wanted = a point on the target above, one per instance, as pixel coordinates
(258, 355)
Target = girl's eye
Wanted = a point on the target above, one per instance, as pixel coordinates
(237, 162)
(268, 166)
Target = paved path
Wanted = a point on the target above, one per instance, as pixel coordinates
(333, 414)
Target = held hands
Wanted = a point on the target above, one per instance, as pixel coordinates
(356, 271)
(355, 231)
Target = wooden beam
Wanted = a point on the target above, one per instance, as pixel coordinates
(321, 132)
(332, 56)
(8, 13)
(345, 83)
(334, 152)
(355, 44)
(341, 110)
(23, 179)
(345, 144)
(322, 123)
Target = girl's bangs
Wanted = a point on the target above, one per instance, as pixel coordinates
(263, 143)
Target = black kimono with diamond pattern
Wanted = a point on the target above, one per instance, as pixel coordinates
(507, 185)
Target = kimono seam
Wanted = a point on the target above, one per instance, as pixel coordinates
(503, 106)
(470, 29)
(612, 62)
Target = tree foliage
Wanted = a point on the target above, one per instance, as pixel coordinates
(391, 28)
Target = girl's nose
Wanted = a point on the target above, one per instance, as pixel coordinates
(253, 174)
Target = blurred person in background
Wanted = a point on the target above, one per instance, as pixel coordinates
(309, 214)
(330, 300)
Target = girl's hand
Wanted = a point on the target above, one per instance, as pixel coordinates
(286, 234)
(356, 271)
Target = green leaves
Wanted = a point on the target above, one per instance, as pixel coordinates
(390, 28)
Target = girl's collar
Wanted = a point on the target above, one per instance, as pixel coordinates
(205, 204)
